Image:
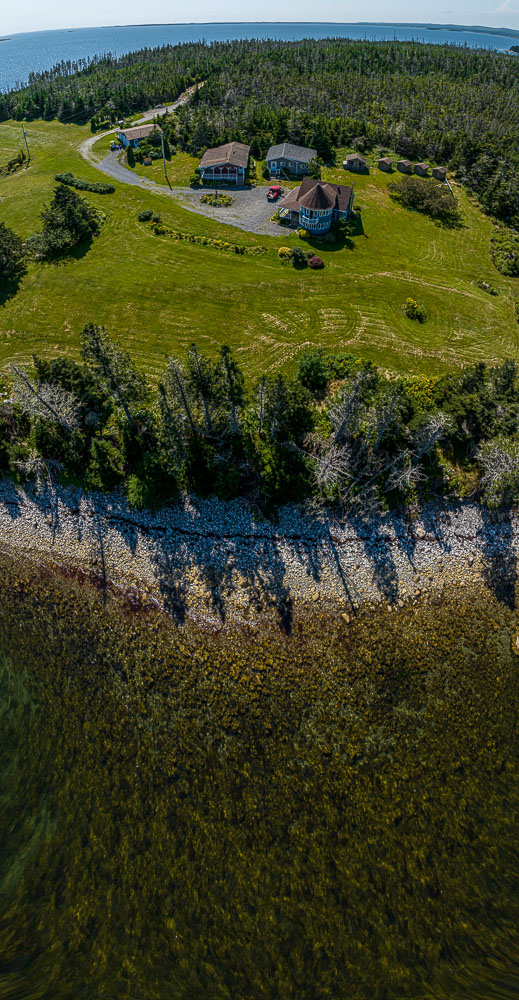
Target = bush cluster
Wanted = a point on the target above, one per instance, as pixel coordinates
(422, 194)
(414, 310)
(504, 247)
(14, 164)
(218, 199)
(98, 187)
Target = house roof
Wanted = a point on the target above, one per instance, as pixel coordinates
(386, 159)
(441, 170)
(422, 166)
(406, 163)
(286, 150)
(139, 131)
(235, 154)
(317, 195)
(354, 156)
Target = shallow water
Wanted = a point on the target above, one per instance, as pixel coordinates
(332, 814)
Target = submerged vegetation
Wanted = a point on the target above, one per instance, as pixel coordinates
(190, 814)
(338, 432)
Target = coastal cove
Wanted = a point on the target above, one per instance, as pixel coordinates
(292, 802)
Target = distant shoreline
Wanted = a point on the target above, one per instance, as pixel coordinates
(475, 28)
(212, 563)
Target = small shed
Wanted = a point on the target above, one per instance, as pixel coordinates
(404, 166)
(422, 169)
(386, 163)
(440, 173)
(356, 163)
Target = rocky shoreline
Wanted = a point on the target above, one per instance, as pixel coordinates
(215, 563)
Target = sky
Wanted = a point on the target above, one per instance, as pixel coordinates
(34, 15)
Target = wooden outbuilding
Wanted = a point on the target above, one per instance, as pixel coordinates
(386, 164)
(440, 173)
(422, 169)
(405, 166)
(356, 163)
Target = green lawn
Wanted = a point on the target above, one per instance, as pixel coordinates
(156, 295)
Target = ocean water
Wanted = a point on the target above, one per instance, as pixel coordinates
(35, 51)
(210, 815)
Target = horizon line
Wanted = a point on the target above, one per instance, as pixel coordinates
(433, 25)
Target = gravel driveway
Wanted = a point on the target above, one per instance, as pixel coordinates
(250, 209)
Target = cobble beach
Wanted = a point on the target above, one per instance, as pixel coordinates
(216, 562)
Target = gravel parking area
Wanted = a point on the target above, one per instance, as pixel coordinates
(250, 210)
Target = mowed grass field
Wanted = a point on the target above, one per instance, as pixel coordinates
(156, 295)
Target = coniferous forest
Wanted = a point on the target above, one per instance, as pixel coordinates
(452, 105)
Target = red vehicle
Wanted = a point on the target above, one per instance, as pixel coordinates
(274, 192)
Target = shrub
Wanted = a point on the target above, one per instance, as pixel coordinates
(517, 310)
(486, 286)
(504, 248)
(217, 200)
(313, 370)
(414, 310)
(146, 215)
(98, 187)
(265, 172)
(130, 157)
(298, 257)
(316, 263)
(284, 253)
(303, 234)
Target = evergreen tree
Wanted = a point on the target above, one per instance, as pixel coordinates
(130, 156)
(12, 263)
(115, 372)
(68, 220)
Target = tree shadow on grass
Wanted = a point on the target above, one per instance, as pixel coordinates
(60, 258)
(9, 288)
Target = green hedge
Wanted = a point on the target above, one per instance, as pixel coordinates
(98, 187)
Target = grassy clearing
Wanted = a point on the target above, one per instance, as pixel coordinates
(157, 295)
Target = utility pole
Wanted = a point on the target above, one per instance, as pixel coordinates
(27, 144)
(164, 159)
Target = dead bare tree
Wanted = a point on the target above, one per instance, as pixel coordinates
(45, 401)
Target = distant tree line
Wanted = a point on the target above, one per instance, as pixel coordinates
(338, 432)
(453, 105)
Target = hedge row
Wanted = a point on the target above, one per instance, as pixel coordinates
(159, 229)
(98, 187)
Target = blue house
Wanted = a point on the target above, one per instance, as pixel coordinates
(286, 158)
(315, 205)
(133, 136)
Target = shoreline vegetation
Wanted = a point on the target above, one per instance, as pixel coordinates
(212, 563)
